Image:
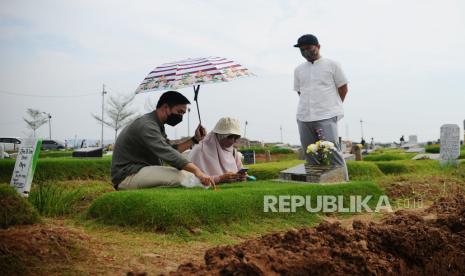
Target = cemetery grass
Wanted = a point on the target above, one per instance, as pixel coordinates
(388, 156)
(190, 210)
(90, 247)
(427, 185)
(96, 248)
(62, 198)
(62, 169)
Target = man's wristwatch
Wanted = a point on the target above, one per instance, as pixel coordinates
(194, 141)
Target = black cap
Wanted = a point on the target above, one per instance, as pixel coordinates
(307, 39)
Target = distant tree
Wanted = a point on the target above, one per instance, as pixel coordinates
(118, 112)
(37, 119)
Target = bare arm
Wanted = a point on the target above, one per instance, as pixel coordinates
(185, 145)
(200, 133)
(342, 91)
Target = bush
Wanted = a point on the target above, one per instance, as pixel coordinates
(14, 209)
(65, 198)
(172, 208)
(360, 170)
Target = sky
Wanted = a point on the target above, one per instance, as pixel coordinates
(405, 62)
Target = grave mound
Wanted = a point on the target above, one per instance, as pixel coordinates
(405, 243)
(15, 210)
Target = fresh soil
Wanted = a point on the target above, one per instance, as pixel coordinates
(59, 247)
(430, 241)
(25, 249)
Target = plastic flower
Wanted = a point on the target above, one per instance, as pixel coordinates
(322, 151)
(312, 148)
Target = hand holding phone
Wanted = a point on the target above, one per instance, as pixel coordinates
(243, 171)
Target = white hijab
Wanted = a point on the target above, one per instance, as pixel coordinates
(214, 160)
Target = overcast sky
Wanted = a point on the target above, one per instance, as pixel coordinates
(405, 61)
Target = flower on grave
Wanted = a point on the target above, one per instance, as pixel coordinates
(321, 149)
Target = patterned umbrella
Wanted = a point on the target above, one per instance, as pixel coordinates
(192, 72)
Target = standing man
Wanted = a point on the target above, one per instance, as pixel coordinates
(322, 88)
(143, 145)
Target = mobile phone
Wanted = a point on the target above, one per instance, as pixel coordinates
(243, 170)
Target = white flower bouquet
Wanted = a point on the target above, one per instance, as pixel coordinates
(322, 151)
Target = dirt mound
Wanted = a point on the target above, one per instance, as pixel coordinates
(27, 249)
(14, 209)
(405, 243)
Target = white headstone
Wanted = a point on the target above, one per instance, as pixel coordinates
(2, 151)
(450, 143)
(25, 166)
(413, 139)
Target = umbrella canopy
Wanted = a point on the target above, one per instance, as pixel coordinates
(191, 72)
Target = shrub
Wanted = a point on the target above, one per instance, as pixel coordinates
(14, 209)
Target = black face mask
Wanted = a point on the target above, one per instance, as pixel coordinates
(174, 119)
(309, 54)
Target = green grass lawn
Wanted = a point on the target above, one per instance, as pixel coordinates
(68, 186)
(56, 169)
(172, 208)
(66, 198)
(388, 156)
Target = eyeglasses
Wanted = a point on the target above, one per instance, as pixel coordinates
(233, 137)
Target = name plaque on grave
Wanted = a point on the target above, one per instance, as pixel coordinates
(25, 166)
(314, 174)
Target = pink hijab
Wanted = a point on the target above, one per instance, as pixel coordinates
(214, 160)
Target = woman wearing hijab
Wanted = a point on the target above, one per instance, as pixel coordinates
(215, 154)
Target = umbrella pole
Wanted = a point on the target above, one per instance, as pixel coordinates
(196, 95)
